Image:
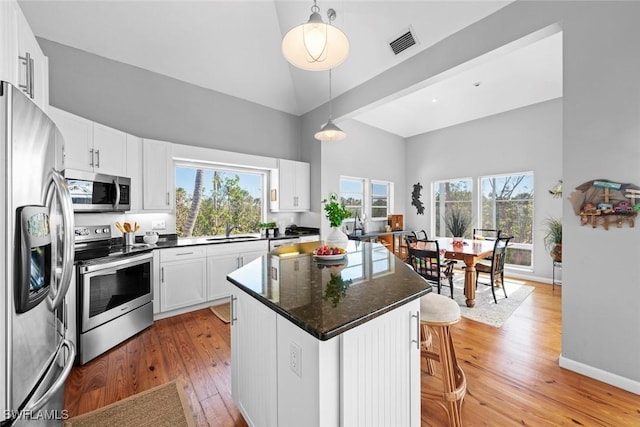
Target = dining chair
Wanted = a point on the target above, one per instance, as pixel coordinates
(427, 263)
(495, 269)
(486, 233)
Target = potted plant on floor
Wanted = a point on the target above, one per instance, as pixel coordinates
(553, 238)
(458, 221)
(336, 213)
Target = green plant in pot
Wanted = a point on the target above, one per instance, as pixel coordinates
(553, 238)
(457, 221)
(336, 213)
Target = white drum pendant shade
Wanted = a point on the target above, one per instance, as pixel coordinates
(315, 46)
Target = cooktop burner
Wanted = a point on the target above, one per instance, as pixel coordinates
(95, 242)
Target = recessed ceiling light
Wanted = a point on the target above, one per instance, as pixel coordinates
(476, 84)
(434, 100)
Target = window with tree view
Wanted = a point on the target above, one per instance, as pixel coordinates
(452, 198)
(352, 195)
(507, 205)
(210, 201)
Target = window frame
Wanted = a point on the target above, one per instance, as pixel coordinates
(512, 245)
(210, 166)
(367, 197)
(433, 204)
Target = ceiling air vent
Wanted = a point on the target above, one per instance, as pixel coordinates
(403, 42)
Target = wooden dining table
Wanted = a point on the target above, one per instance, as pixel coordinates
(470, 253)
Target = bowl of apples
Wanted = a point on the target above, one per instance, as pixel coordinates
(328, 253)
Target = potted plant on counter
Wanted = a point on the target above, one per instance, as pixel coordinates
(336, 213)
(553, 238)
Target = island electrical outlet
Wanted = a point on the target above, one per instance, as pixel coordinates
(295, 359)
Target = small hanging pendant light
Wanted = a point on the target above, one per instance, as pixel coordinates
(316, 46)
(330, 132)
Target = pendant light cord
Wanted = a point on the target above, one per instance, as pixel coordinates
(330, 108)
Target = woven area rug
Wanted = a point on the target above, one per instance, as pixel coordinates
(162, 406)
(223, 311)
(486, 311)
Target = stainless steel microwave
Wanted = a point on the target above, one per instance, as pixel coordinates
(94, 192)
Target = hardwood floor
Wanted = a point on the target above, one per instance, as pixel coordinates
(512, 372)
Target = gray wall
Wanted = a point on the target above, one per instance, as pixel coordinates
(601, 134)
(151, 105)
(368, 153)
(526, 139)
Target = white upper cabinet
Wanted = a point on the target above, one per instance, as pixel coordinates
(22, 62)
(134, 171)
(157, 175)
(90, 146)
(290, 187)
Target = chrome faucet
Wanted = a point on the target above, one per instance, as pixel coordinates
(228, 229)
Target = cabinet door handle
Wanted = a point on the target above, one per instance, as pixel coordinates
(27, 87)
(161, 274)
(417, 340)
(91, 157)
(168, 195)
(184, 253)
(233, 310)
(97, 158)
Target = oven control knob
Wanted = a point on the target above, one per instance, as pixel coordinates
(98, 230)
(105, 230)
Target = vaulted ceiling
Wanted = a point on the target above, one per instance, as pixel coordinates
(233, 47)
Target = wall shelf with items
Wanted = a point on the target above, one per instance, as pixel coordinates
(606, 203)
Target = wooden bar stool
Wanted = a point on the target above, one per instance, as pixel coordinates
(437, 314)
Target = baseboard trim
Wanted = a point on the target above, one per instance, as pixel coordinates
(600, 375)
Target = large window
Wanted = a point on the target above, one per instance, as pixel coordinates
(379, 200)
(452, 197)
(211, 200)
(352, 195)
(507, 204)
(365, 198)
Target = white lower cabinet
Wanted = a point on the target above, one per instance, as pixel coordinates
(223, 258)
(183, 277)
(369, 375)
(253, 361)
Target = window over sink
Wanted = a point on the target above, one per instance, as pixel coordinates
(228, 197)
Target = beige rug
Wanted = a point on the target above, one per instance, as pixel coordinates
(161, 406)
(486, 311)
(223, 311)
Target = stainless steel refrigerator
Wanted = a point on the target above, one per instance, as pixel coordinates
(36, 234)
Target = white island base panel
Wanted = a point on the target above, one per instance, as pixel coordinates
(367, 376)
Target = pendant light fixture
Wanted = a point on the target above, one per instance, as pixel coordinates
(316, 46)
(330, 132)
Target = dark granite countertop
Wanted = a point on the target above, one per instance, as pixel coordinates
(172, 241)
(327, 298)
(371, 235)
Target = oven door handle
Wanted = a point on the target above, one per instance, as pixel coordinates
(58, 186)
(126, 261)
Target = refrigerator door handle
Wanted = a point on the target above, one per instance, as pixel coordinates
(59, 382)
(57, 184)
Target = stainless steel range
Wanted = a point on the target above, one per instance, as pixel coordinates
(114, 290)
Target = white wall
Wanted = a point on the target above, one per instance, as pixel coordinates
(368, 153)
(601, 139)
(150, 105)
(601, 296)
(522, 140)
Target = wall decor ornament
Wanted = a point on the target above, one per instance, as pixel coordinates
(605, 203)
(415, 198)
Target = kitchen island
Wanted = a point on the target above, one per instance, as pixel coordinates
(327, 342)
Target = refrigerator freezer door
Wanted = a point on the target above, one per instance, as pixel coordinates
(32, 144)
